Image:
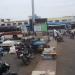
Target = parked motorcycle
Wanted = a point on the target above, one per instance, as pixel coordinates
(71, 35)
(4, 69)
(25, 57)
(1, 53)
(19, 50)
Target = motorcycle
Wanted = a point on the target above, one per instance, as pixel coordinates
(25, 57)
(59, 39)
(71, 35)
(4, 69)
(1, 53)
(19, 50)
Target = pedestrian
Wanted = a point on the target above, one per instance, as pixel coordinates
(55, 34)
(72, 35)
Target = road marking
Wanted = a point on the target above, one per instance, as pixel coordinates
(43, 72)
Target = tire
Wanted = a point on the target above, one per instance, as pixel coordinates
(25, 61)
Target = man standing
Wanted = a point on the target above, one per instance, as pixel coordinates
(55, 34)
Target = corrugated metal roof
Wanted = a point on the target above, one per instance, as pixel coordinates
(56, 24)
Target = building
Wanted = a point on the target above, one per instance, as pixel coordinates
(8, 22)
(69, 22)
(12, 28)
(62, 19)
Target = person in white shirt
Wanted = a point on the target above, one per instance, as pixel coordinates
(55, 34)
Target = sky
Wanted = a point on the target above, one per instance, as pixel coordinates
(21, 9)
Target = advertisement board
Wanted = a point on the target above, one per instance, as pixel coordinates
(41, 27)
(44, 27)
(37, 28)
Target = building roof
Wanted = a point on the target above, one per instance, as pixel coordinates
(56, 23)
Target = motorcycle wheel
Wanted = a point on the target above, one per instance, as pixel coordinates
(12, 73)
(25, 61)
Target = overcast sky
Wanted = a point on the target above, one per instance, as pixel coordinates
(21, 9)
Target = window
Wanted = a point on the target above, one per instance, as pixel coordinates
(2, 24)
(64, 20)
(14, 23)
(19, 23)
(25, 22)
(2, 20)
(56, 20)
(8, 24)
(50, 21)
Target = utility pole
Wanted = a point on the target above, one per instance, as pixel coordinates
(33, 15)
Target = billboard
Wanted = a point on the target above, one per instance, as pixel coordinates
(37, 28)
(41, 27)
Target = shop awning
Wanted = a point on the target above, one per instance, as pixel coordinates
(56, 24)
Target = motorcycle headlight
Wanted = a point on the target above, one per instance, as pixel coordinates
(21, 55)
(6, 64)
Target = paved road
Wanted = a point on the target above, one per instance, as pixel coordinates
(66, 58)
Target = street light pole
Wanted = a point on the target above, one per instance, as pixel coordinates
(33, 15)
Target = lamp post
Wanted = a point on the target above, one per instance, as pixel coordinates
(33, 15)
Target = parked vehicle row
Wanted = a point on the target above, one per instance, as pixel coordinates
(27, 48)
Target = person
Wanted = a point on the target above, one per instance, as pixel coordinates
(55, 34)
(72, 35)
(2, 38)
(58, 35)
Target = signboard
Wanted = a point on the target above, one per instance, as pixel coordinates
(44, 28)
(37, 28)
(40, 28)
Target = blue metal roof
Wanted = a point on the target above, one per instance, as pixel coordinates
(56, 23)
